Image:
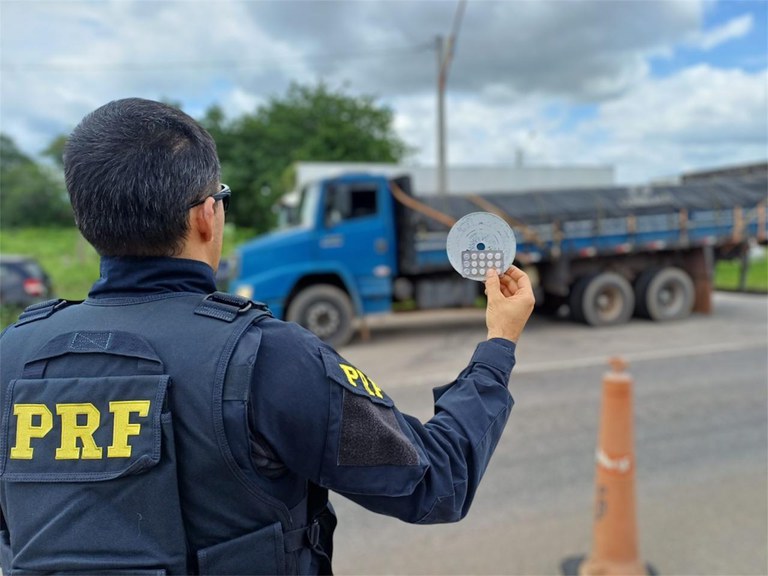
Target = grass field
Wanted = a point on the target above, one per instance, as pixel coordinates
(69, 260)
(728, 272)
(73, 265)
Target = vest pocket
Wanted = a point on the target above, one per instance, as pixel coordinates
(102, 475)
(260, 552)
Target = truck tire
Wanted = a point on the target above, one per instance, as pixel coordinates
(604, 299)
(325, 310)
(664, 294)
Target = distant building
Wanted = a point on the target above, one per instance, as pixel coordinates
(468, 179)
(757, 168)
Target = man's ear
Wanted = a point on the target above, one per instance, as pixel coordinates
(202, 221)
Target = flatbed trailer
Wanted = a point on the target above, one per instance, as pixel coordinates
(609, 252)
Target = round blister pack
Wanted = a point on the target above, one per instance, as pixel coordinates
(479, 241)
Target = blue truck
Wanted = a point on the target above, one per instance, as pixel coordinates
(359, 244)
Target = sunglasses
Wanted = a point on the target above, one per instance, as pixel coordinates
(223, 195)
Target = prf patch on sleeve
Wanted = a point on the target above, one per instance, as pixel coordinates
(342, 372)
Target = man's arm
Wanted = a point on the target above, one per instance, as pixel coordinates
(331, 423)
(454, 447)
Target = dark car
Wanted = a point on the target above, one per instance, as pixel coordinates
(22, 281)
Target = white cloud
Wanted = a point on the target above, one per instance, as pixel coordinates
(699, 105)
(735, 28)
(478, 130)
(699, 117)
(238, 102)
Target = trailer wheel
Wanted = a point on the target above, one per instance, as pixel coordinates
(664, 294)
(325, 310)
(604, 299)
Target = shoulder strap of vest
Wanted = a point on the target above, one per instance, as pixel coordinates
(43, 310)
(218, 305)
(227, 307)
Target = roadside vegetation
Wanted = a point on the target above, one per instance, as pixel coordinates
(70, 261)
(728, 275)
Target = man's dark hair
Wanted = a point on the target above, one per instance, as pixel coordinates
(132, 168)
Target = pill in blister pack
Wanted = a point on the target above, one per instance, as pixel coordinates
(475, 263)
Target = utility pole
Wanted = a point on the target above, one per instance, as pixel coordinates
(441, 173)
(444, 57)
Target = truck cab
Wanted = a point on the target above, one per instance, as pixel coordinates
(333, 259)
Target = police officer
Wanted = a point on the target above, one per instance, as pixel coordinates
(162, 427)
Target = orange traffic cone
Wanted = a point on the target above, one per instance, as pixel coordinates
(614, 550)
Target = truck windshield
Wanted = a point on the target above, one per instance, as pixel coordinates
(301, 213)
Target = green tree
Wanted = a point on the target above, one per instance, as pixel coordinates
(308, 123)
(55, 151)
(31, 194)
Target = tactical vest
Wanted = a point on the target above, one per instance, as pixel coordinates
(125, 444)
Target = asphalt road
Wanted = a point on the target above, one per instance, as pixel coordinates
(701, 432)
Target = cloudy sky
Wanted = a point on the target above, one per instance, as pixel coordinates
(651, 87)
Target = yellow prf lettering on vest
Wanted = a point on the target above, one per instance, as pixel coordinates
(71, 432)
(376, 389)
(123, 427)
(25, 430)
(354, 375)
(351, 374)
(79, 422)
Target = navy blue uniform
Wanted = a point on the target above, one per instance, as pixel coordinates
(316, 420)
